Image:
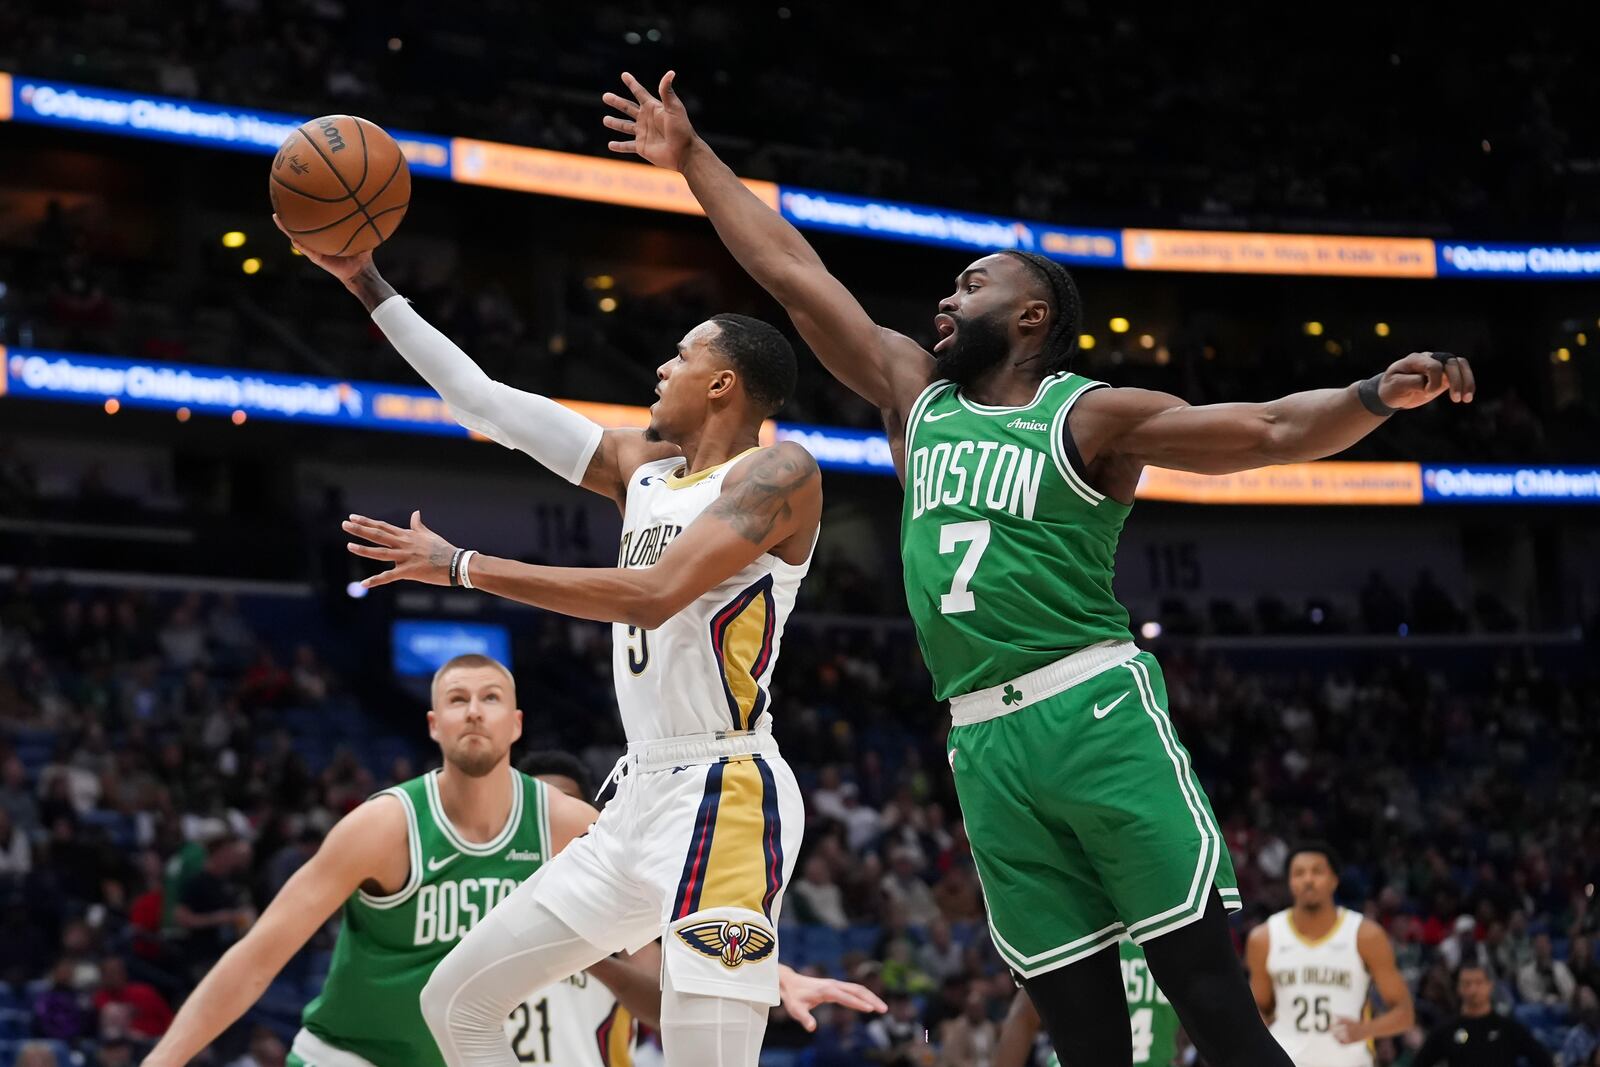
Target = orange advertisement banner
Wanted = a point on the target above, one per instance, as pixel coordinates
(1278, 253)
(609, 181)
(5, 96)
(1292, 483)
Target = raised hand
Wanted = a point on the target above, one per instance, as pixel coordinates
(418, 554)
(658, 126)
(1420, 377)
(342, 267)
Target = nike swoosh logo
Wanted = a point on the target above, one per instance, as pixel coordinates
(931, 417)
(441, 864)
(1101, 713)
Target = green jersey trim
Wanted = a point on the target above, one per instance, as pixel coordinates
(1058, 449)
(541, 801)
(1045, 385)
(414, 844)
(461, 844)
(919, 406)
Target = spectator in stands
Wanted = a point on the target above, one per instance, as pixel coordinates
(115, 1051)
(148, 1013)
(817, 897)
(38, 1054)
(969, 1039)
(841, 1039)
(17, 799)
(310, 677)
(16, 852)
(940, 956)
(1480, 1036)
(906, 891)
(1545, 979)
(1581, 962)
(212, 904)
(1463, 946)
(895, 1039)
(1584, 1038)
(183, 639)
(266, 1050)
(862, 822)
(58, 1009)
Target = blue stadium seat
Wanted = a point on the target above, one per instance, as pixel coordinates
(862, 938)
(824, 947)
(9, 1001)
(781, 1057)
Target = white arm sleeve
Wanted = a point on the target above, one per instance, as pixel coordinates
(556, 436)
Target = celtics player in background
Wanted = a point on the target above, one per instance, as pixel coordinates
(1150, 1017)
(413, 869)
(1313, 967)
(1086, 820)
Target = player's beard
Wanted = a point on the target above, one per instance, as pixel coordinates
(475, 761)
(979, 346)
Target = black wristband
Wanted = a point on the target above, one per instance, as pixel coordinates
(455, 567)
(1368, 392)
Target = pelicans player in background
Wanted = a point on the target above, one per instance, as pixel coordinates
(1312, 967)
(697, 844)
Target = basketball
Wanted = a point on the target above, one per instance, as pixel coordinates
(340, 184)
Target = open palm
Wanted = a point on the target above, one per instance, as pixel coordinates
(658, 126)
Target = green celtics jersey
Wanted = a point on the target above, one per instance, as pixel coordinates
(1008, 552)
(1155, 1024)
(389, 945)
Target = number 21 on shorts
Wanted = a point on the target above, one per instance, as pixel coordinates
(975, 535)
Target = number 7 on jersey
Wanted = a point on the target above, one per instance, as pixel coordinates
(976, 535)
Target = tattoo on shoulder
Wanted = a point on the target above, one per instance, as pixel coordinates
(758, 503)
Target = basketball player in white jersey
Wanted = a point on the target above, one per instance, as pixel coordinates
(699, 840)
(1313, 966)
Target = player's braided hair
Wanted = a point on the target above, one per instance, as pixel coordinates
(1061, 343)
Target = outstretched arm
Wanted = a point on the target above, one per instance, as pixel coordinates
(1133, 428)
(362, 844)
(883, 367)
(768, 498)
(574, 447)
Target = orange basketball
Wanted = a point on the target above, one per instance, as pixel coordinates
(340, 184)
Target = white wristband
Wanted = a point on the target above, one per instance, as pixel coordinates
(462, 573)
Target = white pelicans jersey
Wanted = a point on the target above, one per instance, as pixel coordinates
(706, 669)
(574, 1023)
(1314, 983)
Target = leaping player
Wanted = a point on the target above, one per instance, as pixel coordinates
(699, 840)
(1086, 819)
(1313, 966)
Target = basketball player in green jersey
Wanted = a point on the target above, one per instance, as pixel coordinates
(1150, 1017)
(1086, 821)
(413, 869)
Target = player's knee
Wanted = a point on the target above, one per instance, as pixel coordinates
(729, 953)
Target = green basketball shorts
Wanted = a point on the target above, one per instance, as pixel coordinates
(1086, 819)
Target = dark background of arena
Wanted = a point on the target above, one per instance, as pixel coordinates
(180, 662)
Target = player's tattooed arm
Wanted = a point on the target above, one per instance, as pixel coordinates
(883, 367)
(764, 496)
(779, 513)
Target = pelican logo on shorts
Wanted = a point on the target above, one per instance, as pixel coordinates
(735, 944)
